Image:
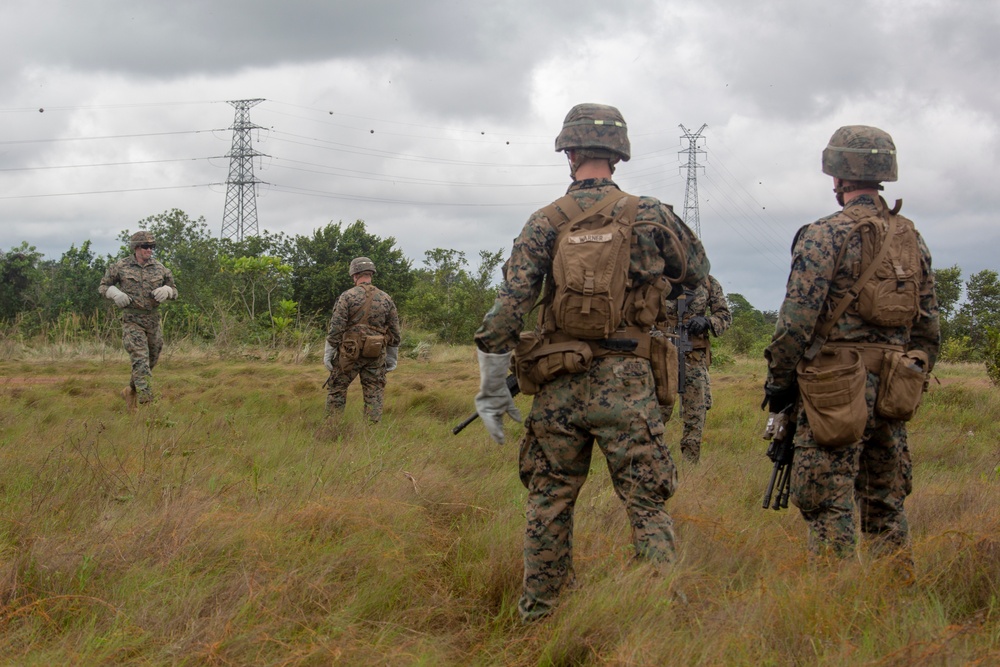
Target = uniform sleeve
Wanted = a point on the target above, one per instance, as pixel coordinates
(806, 292)
(338, 321)
(110, 278)
(690, 256)
(925, 335)
(530, 261)
(168, 278)
(719, 316)
(395, 335)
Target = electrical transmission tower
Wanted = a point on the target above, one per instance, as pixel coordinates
(691, 215)
(240, 216)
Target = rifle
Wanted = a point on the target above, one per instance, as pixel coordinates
(683, 342)
(512, 387)
(780, 430)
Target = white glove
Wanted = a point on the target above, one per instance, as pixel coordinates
(120, 298)
(391, 358)
(494, 400)
(329, 356)
(163, 293)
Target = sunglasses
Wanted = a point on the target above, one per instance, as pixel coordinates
(147, 246)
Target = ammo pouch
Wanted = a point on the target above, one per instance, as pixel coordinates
(538, 362)
(902, 383)
(663, 360)
(350, 350)
(832, 386)
(373, 346)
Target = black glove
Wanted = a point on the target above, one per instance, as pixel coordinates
(777, 400)
(697, 325)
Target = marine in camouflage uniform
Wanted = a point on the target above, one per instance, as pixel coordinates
(138, 284)
(612, 403)
(875, 473)
(361, 312)
(707, 313)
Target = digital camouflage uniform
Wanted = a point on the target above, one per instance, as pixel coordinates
(875, 473)
(613, 403)
(349, 317)
(142, 335)
(706, 299)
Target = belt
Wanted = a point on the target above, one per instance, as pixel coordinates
(871, 353)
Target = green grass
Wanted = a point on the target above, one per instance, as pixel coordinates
(231, 524)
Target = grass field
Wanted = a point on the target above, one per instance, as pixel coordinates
(230, 524)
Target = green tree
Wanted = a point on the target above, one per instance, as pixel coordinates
(258, 282)
(751, 329)
(320, 265)
(20, 280)
(449, 300)
(981, 311)
(72, 282)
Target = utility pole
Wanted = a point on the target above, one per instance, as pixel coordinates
(239, 219)
(691, 215)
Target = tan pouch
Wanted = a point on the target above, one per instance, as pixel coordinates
(524, 359)
(663, 360)
(541, 362)
(902, 383)
(373, 346)
(832, 386)
(350, 350)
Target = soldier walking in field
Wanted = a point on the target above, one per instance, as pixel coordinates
(138, 284)
(589, 360)
(857, 335)
(362, 340)
(706, 313)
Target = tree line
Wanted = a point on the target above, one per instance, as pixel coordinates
(277, 289)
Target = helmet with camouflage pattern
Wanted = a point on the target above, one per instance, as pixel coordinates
(597, 129)
(141, 237)
(361, 264)
(860, 153)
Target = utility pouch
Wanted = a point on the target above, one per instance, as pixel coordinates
(373, 346)
(350, 350)
(663, 360)
(832, 386)
(536, 362)
(902, 383)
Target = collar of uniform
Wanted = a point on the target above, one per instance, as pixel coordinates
(591, 183)
(862, 200)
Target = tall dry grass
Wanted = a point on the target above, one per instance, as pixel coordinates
(231, 524)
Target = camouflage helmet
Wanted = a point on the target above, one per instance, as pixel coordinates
(140, 238)
(598, 129)
(361, 264)
(860, 153)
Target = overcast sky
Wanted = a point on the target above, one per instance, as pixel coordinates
(434, 121)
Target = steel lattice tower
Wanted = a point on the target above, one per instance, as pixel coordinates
(691, 215)
(240, 216)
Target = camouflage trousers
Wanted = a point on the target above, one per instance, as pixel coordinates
(372, 374)
(875, 474)
(143, 340)
(613, 404)
(695, 402)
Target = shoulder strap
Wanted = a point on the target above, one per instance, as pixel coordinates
(841, 304)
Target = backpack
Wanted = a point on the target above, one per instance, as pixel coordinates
(891, 297)
(887, 293)
(590, 266)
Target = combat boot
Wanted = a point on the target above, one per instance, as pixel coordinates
(131, 399)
